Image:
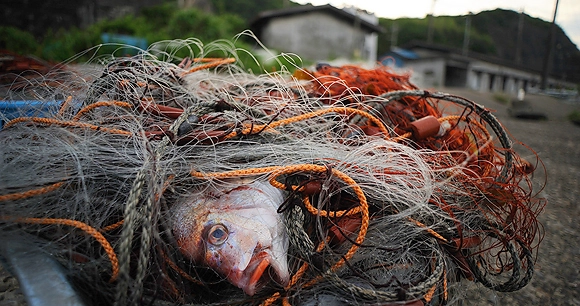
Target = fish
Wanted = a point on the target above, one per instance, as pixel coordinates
(237, 231)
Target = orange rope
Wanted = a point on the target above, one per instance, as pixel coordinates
(429, 295)
(234, 173)
(250, 129)
(445, 292)
(112, 226)
(285, 301)
(449, 118)
(126, 82)
(210, 64)
(307, 204)
(99, 104)
(301, 271)
(177, 269)
(64, 105)
(362, 208)
(269, 301)
(49, 121)
(84, 227)
(165, 186)
(30, 193)
(207, 59)
(429, 230)
(332, 214)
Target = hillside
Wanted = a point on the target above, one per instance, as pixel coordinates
(493, 33)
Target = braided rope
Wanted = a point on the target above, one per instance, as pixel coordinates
(30, 193)
(85, 228)
(90, 107)
(49, 121)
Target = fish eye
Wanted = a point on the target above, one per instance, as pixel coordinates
(217, 234)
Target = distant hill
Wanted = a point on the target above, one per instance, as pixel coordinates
(493, 33)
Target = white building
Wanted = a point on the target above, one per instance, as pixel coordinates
(320, 33)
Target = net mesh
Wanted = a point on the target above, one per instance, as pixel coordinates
(375, 211)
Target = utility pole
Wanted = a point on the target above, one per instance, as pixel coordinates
(394, 34)
(430, 24)
(357, 46)
(548, 57)
(466, 34)
(519, 40)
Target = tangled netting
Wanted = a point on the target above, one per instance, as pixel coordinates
(393, 194)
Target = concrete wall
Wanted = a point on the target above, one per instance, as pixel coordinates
(435, 68)
(319, 36)
(484, 76)
(427, 73)
(371, 43)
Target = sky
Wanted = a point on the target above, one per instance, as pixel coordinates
(567, 16)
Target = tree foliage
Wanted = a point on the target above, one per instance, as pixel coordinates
(163, 22)
(16, 40)
(447, 31)
(248, 9)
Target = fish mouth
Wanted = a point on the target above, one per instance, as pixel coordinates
(262, 270)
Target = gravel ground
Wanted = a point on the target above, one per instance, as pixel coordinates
(557, 275)
(557, 142)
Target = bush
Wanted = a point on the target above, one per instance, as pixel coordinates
(501, 98)
(17, 40)
(574, 116)
(155, 24)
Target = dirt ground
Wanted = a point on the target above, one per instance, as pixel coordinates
(556, 141)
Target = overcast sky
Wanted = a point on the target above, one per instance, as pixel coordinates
(568, 17)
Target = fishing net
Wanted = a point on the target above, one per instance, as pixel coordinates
(392, 193)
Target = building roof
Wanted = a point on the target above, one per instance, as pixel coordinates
(265, 16)
(446, 51)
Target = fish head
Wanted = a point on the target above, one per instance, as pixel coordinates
(238, 233)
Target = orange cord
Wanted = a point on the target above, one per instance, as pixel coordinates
(210, 64)
(307, 204)
(234, 173)
(445, 292)
(250, 129)
(49, 121)
(30, 193)
(84, 227)
(429, 230)
(64, 105)
(429, 295)
(177, 269)
(207, 59)
(99, 104)
(285, 301)
(80, 225)
(401, 137)
(112, 226)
